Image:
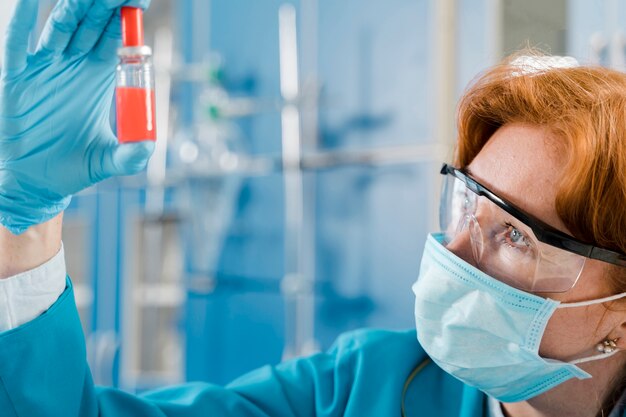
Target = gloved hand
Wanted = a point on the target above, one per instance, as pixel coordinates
(55, 135)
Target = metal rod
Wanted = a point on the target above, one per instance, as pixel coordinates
(444, 73)
(298, 293)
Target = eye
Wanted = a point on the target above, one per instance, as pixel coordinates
(515, 237)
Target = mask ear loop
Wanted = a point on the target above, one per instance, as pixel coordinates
(592, 302)
(594, 357)
(608, 347)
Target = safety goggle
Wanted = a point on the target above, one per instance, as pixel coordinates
(511, 245)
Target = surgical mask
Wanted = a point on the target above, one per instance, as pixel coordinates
(484, 332)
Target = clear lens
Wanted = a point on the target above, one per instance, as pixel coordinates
(502, 246)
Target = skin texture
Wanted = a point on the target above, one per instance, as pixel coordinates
(32, 248)
(521, 163)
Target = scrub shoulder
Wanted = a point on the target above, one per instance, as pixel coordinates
(43, 372)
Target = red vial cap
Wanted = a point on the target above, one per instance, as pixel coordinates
(132, 26)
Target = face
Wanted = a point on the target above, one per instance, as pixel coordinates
(521, 163)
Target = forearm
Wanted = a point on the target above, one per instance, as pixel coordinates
(20, 253)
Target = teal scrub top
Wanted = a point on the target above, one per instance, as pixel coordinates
(44, 373)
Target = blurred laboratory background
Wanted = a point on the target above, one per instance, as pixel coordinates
(295, 176)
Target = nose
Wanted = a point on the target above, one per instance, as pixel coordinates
(461, 246)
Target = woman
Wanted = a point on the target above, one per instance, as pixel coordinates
(530, 264)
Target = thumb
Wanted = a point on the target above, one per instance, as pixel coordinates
(126, 158)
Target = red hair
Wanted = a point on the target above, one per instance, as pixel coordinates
(583, 106)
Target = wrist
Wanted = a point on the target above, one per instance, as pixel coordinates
(34, 247)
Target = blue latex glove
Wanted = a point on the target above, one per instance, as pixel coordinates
(55, 135)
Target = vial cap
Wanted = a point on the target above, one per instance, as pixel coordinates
(132, 26)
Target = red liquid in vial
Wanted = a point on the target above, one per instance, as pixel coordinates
(136, 114)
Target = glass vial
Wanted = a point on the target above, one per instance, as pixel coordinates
(135, 98)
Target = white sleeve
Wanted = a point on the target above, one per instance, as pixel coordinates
(25, 296)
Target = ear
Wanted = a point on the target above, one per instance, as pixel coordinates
(616, 339)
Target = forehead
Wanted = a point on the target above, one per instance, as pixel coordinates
(521, 163)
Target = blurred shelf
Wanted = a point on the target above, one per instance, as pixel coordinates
(238, 165)
(159, 295)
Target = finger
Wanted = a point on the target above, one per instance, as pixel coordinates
(144, 4)
(128, 158)
(123, 159)
(18, 34)
(61, 25)
(90, 29)
(110, 41)
(112, 4)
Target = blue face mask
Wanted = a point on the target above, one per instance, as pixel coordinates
(484, 332)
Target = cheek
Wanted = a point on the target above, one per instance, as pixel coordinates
(573, 332)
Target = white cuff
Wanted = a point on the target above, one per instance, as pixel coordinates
(25, 296)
